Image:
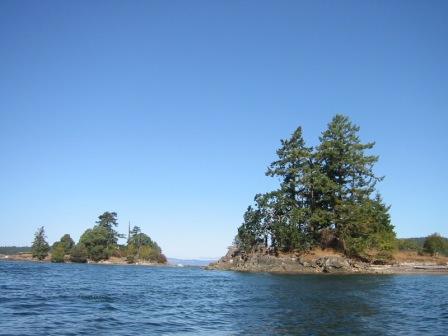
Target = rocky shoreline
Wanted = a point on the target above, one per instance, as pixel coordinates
(310, 263)
(112, 261)
(321, 263)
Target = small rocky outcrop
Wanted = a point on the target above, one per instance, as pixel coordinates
(332, 264)
(319, 261)
(263, 261)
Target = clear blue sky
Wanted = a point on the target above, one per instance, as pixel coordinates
(168, 112)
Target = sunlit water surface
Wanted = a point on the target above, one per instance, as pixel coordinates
(73, 299)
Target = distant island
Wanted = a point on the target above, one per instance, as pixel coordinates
(327, 215)
(98, 244)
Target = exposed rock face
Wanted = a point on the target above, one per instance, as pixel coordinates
(311, 263)
(333, 264)
(264, 262)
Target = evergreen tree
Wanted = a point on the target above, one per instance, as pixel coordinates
(96, 242)
(290, 206)
(324, 198)
(435, 244)
(100, 242)
(107, 221)
(250, 232)
(141, 246)
(78, 254)
(66, 242)
(293, 159)
(58, 253)
(365, 229)
(342, 158)
(40, 247)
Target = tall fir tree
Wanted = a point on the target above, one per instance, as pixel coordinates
(344, 161)
(289, 206)
(40, 247)
(108, 221)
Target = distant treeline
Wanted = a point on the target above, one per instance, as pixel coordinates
(433, 244)
(411, 243)
(99, 243)
(14, 249)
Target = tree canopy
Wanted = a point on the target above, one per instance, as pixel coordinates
(40, 247)
(326, 197)
(97, 243)
(141, 246)
(57, 253)
(101, 242)
(108, 221)
(435, 244)
(66, 243)
(78, 254)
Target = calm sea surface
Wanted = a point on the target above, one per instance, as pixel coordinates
(71, 299)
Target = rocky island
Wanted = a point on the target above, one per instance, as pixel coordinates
(327, 215)
(98, 244)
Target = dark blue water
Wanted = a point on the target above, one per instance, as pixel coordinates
(71, 299)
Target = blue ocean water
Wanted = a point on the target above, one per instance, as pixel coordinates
(74, 299)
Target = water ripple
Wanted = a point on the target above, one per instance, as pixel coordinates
(70, 299)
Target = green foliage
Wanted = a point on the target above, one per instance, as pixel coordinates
(66, 242)
(121, 251)
(96, 242)
(78, 254)
(148, 253)
(100, 242)
(107, 221)
(40, 247)
(324, 197)
(249, 234)
(58, 252)
(435, 244)
(365, 229)
(410, 244)
(131, 254)
(142, 239)
(151, 254)
(141, 246)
